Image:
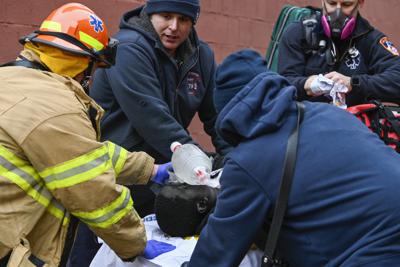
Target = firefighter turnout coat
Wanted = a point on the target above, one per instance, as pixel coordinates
(52, 166)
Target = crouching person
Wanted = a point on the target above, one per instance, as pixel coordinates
(343, 208)
(53, 171)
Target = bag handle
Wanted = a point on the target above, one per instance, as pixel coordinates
(390, 117)
(268, 259)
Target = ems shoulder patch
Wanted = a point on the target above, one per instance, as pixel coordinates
(388, 45)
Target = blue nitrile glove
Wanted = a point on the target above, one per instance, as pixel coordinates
(162, 174)
(155, 248)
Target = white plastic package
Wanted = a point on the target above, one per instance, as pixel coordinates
(106, 257)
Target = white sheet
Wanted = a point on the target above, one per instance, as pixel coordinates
(105, 257)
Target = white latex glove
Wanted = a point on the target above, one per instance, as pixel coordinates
(321, 85)
(338, 94)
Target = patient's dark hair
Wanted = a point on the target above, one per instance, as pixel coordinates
(182, 209)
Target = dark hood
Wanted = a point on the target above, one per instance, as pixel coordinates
(260, 107)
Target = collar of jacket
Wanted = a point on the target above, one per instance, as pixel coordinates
(73, 85)
(362, 27)
(138, 20)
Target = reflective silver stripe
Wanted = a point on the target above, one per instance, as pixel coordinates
(116, 155)
(74, 171)
(14, 169)
(58, 205)
(110, 214)
(42, 190)
(38, 186)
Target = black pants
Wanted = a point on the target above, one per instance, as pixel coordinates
(84, 249)
(143, 199)
(4, 260)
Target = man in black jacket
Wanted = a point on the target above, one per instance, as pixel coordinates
(348, 51)
(163, 75)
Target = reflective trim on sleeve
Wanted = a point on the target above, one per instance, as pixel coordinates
(110, 214)
(118, 157)
(25, 176)
(77, 170)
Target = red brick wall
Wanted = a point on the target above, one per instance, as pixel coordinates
(227, 25)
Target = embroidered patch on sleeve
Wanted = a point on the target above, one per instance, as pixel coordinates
(388, 45)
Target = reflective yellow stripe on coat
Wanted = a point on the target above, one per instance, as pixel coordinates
(118, 156)
(25, 176)
(110, 214)
(85, 168)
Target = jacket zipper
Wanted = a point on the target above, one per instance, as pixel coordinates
(182, 78)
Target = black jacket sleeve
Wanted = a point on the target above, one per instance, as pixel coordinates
(138, 91)
(383, 78)
(292, 60)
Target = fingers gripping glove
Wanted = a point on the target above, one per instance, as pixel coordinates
(162, 174)
(155, 248)
(321, 85)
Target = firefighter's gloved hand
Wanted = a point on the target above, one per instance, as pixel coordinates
(155, 248)
(162, 174)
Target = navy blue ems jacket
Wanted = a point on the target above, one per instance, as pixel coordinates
(376, 65)
(149, 98)
(344, 207)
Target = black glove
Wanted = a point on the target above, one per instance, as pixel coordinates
(218, 162)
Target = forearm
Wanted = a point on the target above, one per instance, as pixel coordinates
(301, 84)
(129, 236)
(379, 86)
(139, 168)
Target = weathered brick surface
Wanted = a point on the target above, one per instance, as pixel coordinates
(227, 25)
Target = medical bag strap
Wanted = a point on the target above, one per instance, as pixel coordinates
(394, 121)
(25, 63)
(268, 258)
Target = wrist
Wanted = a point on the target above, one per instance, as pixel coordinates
(308, 83)
(355, 82)
(161, 173)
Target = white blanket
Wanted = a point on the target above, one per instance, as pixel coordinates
(105, 257)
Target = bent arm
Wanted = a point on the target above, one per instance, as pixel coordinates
(383, 78)
(292, 60)
(138, 90)
(80, 174)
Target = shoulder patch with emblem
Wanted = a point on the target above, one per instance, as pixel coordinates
(389, 46)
